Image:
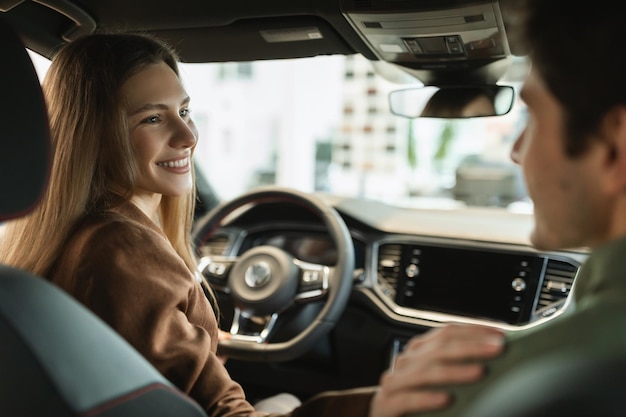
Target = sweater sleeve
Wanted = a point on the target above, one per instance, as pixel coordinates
(346, 403)
(133, 279)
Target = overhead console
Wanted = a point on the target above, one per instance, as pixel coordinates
(438, 46)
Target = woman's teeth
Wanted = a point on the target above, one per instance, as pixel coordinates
(174, 164)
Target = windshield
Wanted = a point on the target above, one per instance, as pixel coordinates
(323, 124)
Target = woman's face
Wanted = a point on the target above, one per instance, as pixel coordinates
(162, 133)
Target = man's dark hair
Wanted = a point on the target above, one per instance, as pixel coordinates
(578, 49)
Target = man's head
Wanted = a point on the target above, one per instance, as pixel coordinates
(578, 50)
(573, 150)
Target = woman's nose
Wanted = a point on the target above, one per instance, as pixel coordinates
(185, 135)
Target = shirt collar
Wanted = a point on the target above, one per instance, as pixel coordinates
(603, 276)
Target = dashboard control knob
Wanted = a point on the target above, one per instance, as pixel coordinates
(518, 284)
(412, 271)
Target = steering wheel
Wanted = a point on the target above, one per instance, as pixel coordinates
(265, 281)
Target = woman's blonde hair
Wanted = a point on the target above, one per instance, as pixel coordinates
(93, 166)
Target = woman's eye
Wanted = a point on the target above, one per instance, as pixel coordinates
(151, 120)
(185, 112)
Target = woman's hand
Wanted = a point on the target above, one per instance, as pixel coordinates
(441, 356)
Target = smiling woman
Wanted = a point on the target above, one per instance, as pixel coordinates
(93, 148)
(119, 193)
(162, 134)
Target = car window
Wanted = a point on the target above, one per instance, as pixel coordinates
(323, 124)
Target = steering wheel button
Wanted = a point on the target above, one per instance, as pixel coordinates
(217, 269)
(310, 277)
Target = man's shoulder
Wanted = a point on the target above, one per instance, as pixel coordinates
(600, 330)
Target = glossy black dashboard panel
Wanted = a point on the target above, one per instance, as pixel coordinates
(498, 285)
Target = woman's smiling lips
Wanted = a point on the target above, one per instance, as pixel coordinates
(178, 166)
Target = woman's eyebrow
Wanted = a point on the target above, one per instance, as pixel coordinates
(147, 107)
(157, 106)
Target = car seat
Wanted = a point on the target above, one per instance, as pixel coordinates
(56, 357)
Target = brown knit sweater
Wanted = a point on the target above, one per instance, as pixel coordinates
(122, 267)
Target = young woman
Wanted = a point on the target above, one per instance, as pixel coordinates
(114, 231)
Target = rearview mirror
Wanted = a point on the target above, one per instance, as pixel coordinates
(452, 101)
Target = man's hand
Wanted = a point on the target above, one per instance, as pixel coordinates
(446, 355)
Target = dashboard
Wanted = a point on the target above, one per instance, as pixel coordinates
(414, 270)
(415, 274)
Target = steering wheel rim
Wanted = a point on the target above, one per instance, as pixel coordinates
(339, 279)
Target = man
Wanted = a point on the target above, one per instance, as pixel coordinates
(573, 154)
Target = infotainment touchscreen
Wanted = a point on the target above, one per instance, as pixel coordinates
(482, 284)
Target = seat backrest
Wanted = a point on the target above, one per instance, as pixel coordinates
(56, 357)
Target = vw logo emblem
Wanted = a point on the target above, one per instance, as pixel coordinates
(258, 274)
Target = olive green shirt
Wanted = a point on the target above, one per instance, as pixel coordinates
(595, 325)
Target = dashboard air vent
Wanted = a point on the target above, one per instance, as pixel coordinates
(557, 284)
(389, 258)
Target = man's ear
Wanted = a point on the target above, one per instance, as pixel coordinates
(613, 134)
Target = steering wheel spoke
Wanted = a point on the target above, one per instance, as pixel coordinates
(249, 328)
(313, 281)
(216, 270)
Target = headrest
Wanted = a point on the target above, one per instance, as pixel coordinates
(24, 130)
